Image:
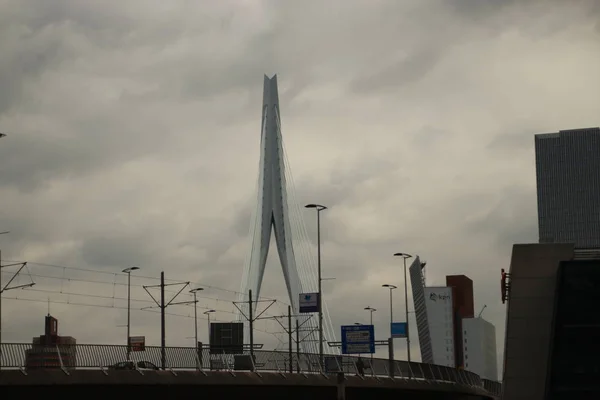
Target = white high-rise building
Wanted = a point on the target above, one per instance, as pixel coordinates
(438, 304)
(479, 347)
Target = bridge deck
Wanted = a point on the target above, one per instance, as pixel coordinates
(226, 384)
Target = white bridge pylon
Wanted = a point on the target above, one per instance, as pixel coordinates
(273, 213)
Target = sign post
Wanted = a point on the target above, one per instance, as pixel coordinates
(137, 343)
(399, 329)
(358, 339)
(309, 302)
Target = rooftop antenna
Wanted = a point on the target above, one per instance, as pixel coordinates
(481, 312)
(48, 305)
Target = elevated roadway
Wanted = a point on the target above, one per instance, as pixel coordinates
(224, 385)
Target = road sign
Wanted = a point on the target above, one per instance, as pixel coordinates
(226, 338)
(309, 302)
(357, 339)
(399, 329)
(137, 343)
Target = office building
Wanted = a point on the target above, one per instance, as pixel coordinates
(462, 307)
(438, 301)
(440, 312)
(479, 347)
(568, 187)
(51, 350)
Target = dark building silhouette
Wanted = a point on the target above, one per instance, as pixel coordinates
(462, 307)
(51, 350)
(568, 187)
(553, 324)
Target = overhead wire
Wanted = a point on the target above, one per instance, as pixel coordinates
(65, 280)
(117, 308)
(138, 276)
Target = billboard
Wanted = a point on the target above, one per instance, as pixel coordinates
(399, 329)
(357, 339)
(137, 343)
(226, 338)
(309, 302)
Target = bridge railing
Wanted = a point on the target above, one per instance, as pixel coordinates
(93, 356)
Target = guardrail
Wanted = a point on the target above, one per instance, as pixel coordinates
(93, 356)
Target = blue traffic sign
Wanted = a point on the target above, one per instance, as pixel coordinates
(358, 339)
(399, 329)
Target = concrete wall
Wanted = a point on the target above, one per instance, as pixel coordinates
(529, 316)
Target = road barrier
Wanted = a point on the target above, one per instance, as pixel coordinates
(97, 356)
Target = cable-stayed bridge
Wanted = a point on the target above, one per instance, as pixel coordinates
(277, 211)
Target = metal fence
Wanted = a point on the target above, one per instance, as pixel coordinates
(93, 356)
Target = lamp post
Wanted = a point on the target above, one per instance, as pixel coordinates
(319, 208)
(128, 272)
(207, 313)
(404, 257)
(390, 287)
(194, 291)
(371, 310)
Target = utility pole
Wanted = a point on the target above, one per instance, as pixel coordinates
(319, 208)
(404, 257)
(251, 326)
(251, 317)
(198, 350)
(290, 339)
(297, 346)
(128, 272)
(163, 304)
(8, 287)
(290, 331)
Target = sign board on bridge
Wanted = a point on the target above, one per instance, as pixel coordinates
(399, 329)
(357, 339)
(137, 343)
(309, 302)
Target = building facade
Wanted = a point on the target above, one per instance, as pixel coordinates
(439, 301)
(51, 350)
(479, 347)
(440, 312)
(462, 307)
(568, 187)
(419, 300)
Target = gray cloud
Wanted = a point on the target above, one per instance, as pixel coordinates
(134, 134)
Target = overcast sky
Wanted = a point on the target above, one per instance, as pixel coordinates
(134, 127)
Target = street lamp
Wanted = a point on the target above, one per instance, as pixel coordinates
(207, 313)
(319, 208)
(371, 310)
(404, 257)
(128, 272)
(194, 291)
(390, 287)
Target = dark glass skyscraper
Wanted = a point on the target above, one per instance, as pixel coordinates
(568, 187)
